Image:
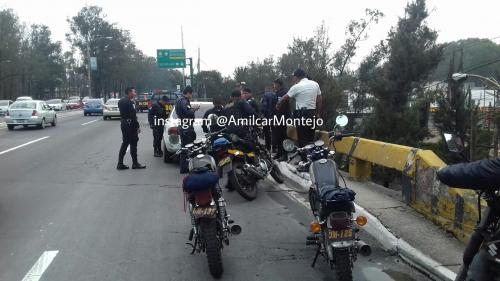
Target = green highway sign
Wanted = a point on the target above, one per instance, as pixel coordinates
(171, 58)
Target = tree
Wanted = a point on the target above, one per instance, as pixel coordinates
(395, 74)
(11, 36)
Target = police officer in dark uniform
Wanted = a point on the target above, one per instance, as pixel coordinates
(248, 96)
(236, 110)
(186, 116)
(157, 117)
(218, 110)
(130, 130)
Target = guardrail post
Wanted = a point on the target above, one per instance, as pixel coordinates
(360, 170)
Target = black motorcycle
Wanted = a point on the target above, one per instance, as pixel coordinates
(334, 229)
(481, 259)
(211, 226)
(250, 162)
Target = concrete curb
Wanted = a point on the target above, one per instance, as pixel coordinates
(378, 231)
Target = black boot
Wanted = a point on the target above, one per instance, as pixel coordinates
(158, 154)
(138, 166)
(121, 166)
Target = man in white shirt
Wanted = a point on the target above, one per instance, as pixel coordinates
(308, 103)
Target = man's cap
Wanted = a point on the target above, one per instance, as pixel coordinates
(188, 89)
(236, 93)
(299, 73)
(165, 99)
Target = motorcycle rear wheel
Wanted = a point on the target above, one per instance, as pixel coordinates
(343, 265)
(246, 190)
(213, 247)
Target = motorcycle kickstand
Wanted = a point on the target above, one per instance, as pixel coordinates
(318, 251)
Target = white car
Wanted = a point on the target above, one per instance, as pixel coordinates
(24, 98)
(57, 104)
(171, 138)
(30, 112)
(111, 109)
(4, 106)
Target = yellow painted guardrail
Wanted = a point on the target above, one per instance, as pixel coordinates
(453, 209)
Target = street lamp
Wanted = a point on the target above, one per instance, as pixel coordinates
(88, 60)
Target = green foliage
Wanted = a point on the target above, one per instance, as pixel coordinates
(476, 52)
(395, 74)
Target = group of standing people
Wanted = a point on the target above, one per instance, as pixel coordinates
(274, 103)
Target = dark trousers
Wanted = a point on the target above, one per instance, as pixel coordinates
(187, 136)
(157, 136)
(279, 135)
(129, 137)
(305, 134)
(267, 136)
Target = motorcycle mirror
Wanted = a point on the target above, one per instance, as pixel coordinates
(454, 143)
(342, 120)
(288, 145)
(319, 143)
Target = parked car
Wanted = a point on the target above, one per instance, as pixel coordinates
(93, 106)
(24, 98)
(57, 104)
(4, 106)
(171, 139)
(111, 109)
(30, 112)
(74, 104)
(142, 102)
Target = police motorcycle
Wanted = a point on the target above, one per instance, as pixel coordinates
(251, 162)
(334, 228)
(211, 226)
(481, 258)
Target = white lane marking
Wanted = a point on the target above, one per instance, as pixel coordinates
(40, 266)
(25, 144)
(86, 123)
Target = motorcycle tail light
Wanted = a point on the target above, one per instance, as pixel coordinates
(173, 131)
(339, 221)
(315, 227)
(33, 113)
(203, 198)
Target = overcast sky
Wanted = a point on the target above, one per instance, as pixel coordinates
(232, 32)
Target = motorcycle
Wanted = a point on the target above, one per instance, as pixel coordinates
(481, 258)
(334, 228)
(211, 226)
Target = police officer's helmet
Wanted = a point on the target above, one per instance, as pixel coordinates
(202, 163)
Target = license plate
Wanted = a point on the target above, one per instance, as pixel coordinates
(204, 212)
(224, 161)
(340, 234)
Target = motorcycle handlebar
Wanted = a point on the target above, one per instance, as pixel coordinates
(339, 136)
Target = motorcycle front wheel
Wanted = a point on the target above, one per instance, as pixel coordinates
(276, 174)
(213, 246)
(241, 181)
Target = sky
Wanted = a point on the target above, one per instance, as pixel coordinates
(231, 33)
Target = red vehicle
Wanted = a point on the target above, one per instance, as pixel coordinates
(74, 104)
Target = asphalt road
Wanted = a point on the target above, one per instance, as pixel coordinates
(65, 208)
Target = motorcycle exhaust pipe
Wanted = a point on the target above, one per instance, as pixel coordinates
(363, 248)
(251, 169)
(235, 229)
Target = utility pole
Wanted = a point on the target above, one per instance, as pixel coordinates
(89, 93)
(183, 72)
